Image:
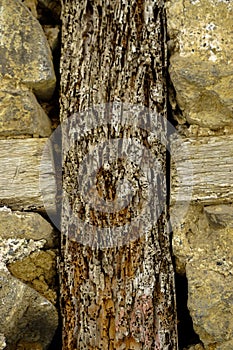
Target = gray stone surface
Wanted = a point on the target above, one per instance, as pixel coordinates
(25, 55)
(20, 113)
(24, 314)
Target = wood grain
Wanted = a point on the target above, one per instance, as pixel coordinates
(121, 295)
(21, 164)
(210, 180)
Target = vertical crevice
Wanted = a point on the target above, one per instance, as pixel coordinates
(186, 333)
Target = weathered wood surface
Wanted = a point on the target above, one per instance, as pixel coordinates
(211, 159)
(115, 296)
(20, 167)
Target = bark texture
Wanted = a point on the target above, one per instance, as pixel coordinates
(117, 292)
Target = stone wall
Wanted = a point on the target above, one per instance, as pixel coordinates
(29, 32)
(201, 98)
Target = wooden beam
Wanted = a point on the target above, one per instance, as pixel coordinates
(202, 169)
(21, 164)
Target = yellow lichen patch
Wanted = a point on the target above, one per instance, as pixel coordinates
(38, 270)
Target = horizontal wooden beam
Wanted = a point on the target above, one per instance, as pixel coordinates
(202, 169)
(21, 165)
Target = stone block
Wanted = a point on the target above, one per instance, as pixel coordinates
(20, 113)
(25, 315)
(37, 270)
(201, 67)
(25, 225)
(25, 55)
(204, 252)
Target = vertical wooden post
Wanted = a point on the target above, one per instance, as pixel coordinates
(117, 285)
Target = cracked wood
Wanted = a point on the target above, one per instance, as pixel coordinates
(118, 296)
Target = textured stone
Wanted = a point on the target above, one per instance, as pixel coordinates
(25, 225)
(201, 66)
(39, 271)
(195, 347)
(52, 34)
(210, 300)
(13, 249)
(220, 215)
(24, 314)
(20, 113)
(187, 236)
(204, 251)
(22, 345)
(31, 5)
(25, 55)
(2, 342)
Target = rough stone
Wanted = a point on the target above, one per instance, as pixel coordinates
(27, 226)
(20, 113)
(204, 252)
(220, 215)
(32, 6)
(25, 55)
(13, 249)
(52, 34)
(39, 271)
(25, 315)
(210, 303)
(201, 66)
(2, 342)
(195, 347)
(22, 345)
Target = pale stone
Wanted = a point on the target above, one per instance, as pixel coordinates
(204, 252)
(24, 314)
(16, 249)
(25, 225)
(20, 113)
(201, 66)
(2, 342)
(25, 55)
